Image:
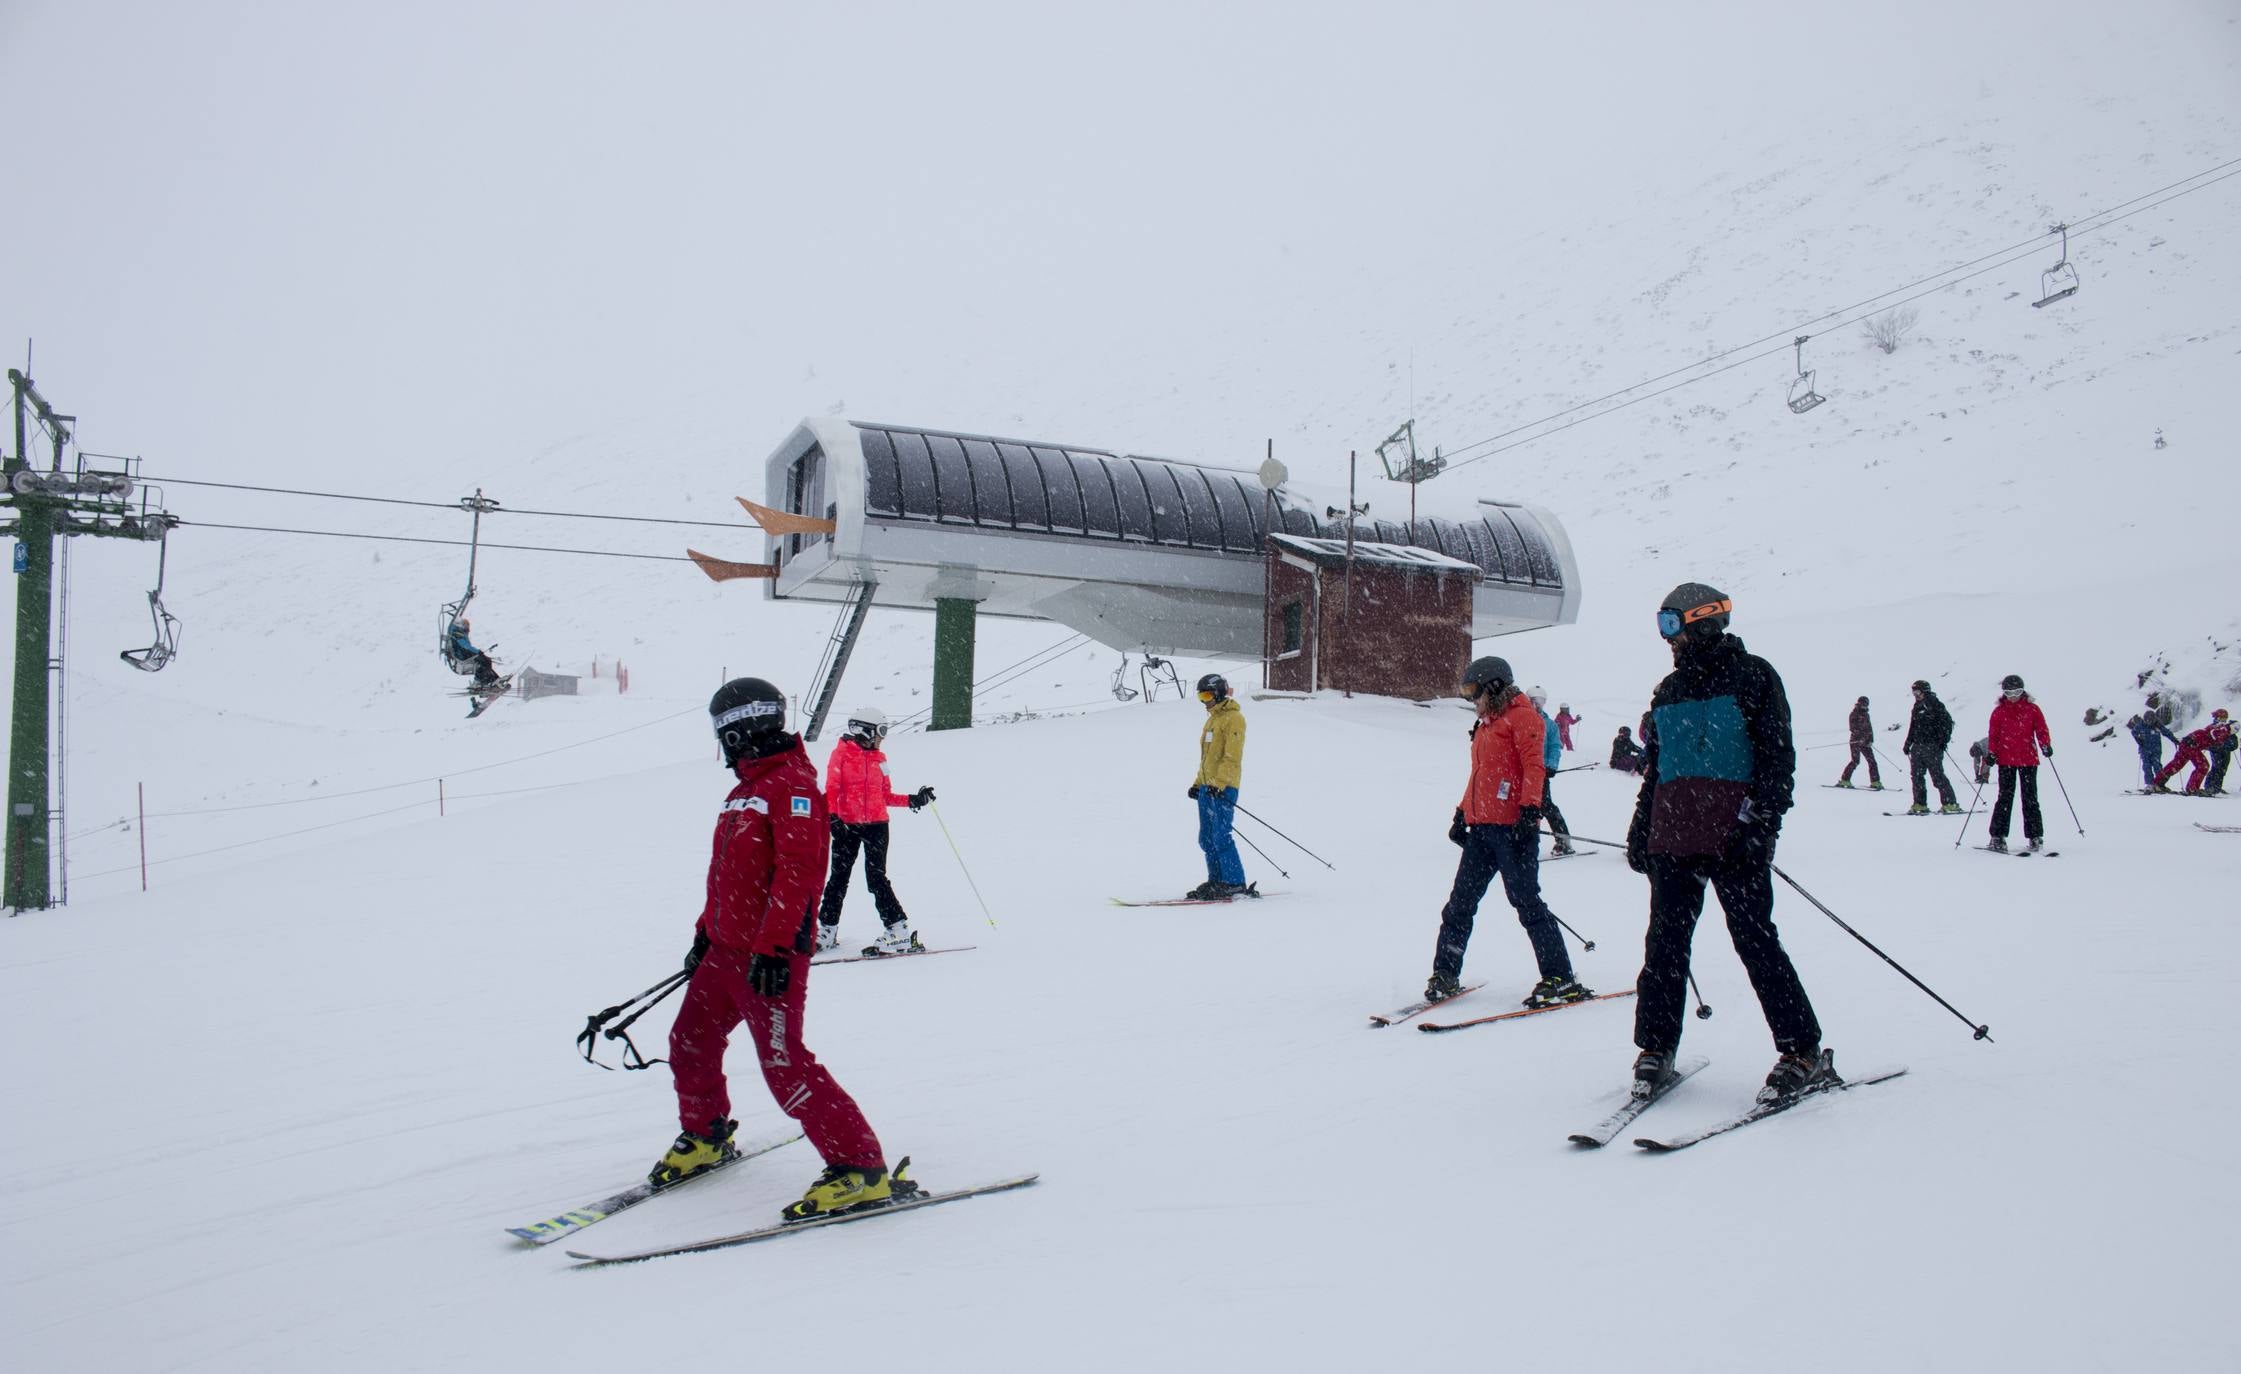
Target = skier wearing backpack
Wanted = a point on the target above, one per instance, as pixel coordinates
(2017, 734)
(1718, 776)
(2149, 729)
(750, 965)
(1498, 827)
(1863, 747)
(857, 795)
(1928, 731)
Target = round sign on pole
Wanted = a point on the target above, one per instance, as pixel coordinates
(1274, 474)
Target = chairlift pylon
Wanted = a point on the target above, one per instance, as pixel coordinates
(2059, 282)
(453, 610)
(1802, 395)
(153, 658)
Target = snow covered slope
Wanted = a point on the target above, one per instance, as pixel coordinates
(276, 1110)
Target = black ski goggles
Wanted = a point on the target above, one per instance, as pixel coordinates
(1671, 622)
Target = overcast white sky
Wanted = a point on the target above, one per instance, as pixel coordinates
(303, 240)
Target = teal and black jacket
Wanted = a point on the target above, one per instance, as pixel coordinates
(1720, 736)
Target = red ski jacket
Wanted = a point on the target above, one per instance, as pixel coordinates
(2208, 737)
(2018, 733)
(1506, 767)
(767, 870)
(856, 785)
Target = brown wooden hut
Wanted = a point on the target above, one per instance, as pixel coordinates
(1405, 633)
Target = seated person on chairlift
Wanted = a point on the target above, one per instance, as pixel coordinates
(459, 649)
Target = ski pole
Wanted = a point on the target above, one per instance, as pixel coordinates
(1290, 841)
(645, 1002)
(1585, 943)
(1703, 1011)
(1260, 851)
(1983, 1032)
(1970, 817)
(961, 863)
(2065, 794)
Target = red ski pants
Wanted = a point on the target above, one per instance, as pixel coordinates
(2187, 754)
(717, 1000)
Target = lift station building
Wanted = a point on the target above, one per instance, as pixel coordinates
(1140, 554)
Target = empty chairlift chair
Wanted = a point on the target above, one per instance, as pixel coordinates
(1802, 395)
(2059, 282)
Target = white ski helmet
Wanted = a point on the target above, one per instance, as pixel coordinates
(869, 720)
(1537, 695)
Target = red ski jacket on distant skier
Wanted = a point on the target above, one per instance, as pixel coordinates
(856, 785)
(767, 871)
(2018, 733)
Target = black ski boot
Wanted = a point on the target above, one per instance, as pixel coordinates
(1795, 1075)
(1442, 986)
(1653, 1070)
(1556, 991)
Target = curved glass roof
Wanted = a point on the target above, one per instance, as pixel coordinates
(1051, 489)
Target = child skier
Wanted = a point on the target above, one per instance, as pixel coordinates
(1718, 777)
(750, 964)
(2149, 729)
(1626, 755)
(1221, 766)
(2017, 733)
(857, 795)
(1498, 826)
(1863, 747)
(1552, 758)
(1565, 720)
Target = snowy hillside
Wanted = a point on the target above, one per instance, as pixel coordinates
(277, 1109)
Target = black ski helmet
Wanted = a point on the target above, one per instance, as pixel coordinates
(1921, 684)
(1693, 603)
(1215, 683)
(1488, 674)
(2011, 683)
(746, 711)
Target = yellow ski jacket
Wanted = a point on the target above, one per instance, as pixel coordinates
(1221, 746)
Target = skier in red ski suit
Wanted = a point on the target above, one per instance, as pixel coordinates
(750, 962)
(2018, 733)
(2196, 749)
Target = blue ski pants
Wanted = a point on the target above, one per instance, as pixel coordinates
(1217, 813)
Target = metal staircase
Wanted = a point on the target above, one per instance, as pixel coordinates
(846, 631)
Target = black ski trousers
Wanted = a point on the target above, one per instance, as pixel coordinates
(1515, 853)
(1549, 813)
(871, 838)
(1932, 766)
(1746, 893)
(2004, 805)
(1859, 752)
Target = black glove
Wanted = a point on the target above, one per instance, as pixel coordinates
(2049, 751)
(1193, 793)
(1638, 849)
(922, 796)
(769, 975)
(700, 947)
(1457, 832)
(1755, 833)
(1529, 817)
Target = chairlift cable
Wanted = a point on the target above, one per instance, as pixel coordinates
(452, 543)
(2006, 258)
(443, 505)
(2016, 254)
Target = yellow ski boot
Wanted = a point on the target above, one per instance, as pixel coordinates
(691, 1154)
(842, 1188)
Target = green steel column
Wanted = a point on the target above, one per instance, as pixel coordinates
(953, 663)
(26, 859)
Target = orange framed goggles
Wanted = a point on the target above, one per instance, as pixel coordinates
(1671, 622)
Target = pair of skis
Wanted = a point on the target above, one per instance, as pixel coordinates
(1608, 1129)
(1251, 892)
(1416, 1009)
(884, 958)
(573, 1221)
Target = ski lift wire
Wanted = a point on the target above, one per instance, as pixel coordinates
(2099, 220)
(2025, 252)
(453, 543)
(446, 505)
